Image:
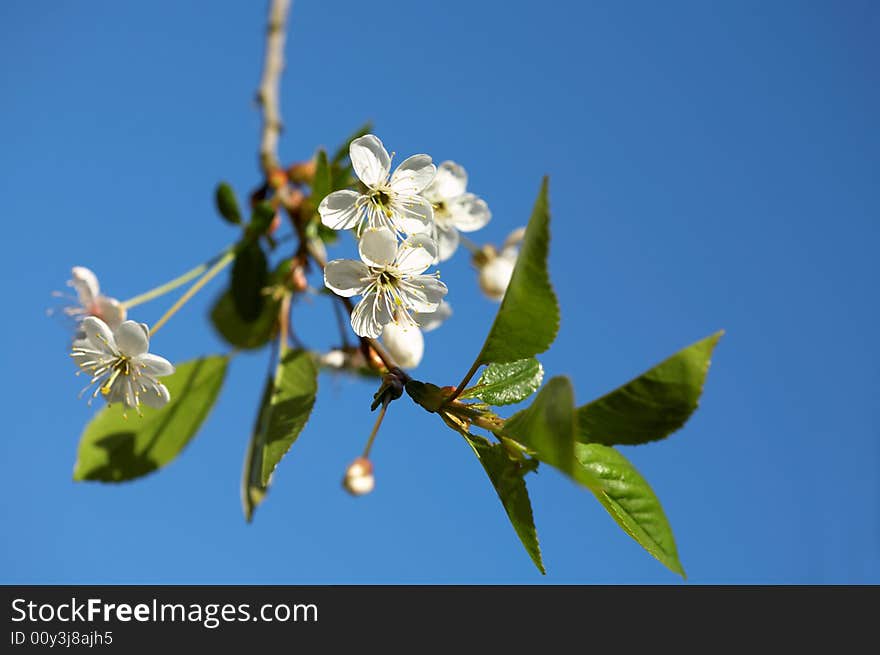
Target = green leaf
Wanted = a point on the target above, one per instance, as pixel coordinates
(528, 319)
(253, 491)
(547, 429)
(250, 274)
(322, 182)
(653, 405)
(506, 384)
(287, 404)
(227, 205)
(628, 498)
(342, 152)
(261, 220)
(239, 333)
(114, 448)
(507, 476)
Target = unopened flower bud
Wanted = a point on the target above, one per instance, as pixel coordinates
(298, 281)
(359, 478)
(302, 172)
(495, 276)
(277, 178)
(333, 359)
(405, 343)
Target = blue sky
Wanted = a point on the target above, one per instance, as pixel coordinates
(712, 165)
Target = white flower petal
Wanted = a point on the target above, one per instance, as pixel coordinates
(98, 334)
(495, 276)
(469, 212)
(339, 210)
(346, 277)
(155, 366)
(370, 315)
(155, 396)
(423, 293)
(378, 247)
(86, 284)
(414, 214)
(370, 160)
(110, 310)
(132, 339)
(405, 343)
(416, 254)
(450, 182)
(433, 320)
(447, 242)
(413, 175)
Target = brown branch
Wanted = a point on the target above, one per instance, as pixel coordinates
(268, 95)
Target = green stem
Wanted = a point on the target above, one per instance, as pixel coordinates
(375, 431)
(176, 282)
(222, 263)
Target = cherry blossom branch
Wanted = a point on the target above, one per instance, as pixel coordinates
(268, 93)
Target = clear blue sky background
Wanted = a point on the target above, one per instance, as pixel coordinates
(713, 165)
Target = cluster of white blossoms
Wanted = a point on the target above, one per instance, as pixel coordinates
(405, 222)
(112, 351)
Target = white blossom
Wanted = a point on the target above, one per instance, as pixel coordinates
(390, 201)
(406, 342)
(89, 301)
(496, 268)
(455, 210)
(120, 365)
(389, 279)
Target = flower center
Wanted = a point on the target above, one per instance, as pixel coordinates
(122, 366)
(381, 200)
(387, 279)
(440, 209)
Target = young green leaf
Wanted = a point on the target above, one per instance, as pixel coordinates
(250, 274)
(629, 500)
(507, 476)
(528, 319)
(653, 405)
(323, 181)
(239, 333)
(506, 384)
(227, 205)
(114, 448)
(546, 428)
